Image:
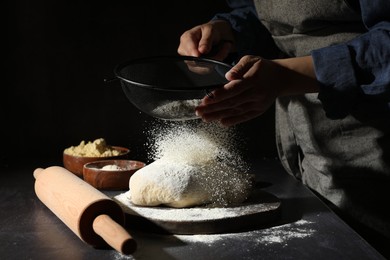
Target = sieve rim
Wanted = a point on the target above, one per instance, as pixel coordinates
(119, 67)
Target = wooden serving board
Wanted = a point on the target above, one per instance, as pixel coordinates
(260, 210)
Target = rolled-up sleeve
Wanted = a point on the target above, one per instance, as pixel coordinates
(357, 72)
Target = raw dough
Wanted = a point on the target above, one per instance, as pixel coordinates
(184, 185)
(194, 164)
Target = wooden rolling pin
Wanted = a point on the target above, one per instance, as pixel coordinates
(91, 215)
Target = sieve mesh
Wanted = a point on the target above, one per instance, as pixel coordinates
(170, 87)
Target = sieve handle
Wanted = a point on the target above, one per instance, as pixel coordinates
(111, 81)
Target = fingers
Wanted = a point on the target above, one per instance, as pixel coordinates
(196, 41)
(189, 42)
(206, 41)
(228, 91)
(242, 67)
(247, 95)
(202, 39)
(235, 103)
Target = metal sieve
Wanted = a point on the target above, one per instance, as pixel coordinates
(170, 87)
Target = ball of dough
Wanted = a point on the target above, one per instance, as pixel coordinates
(174, 185)
(183, 185)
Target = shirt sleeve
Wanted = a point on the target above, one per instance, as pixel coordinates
(251, 37)
(356, 74)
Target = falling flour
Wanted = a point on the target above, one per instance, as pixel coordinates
(193, 164)
(177, 109)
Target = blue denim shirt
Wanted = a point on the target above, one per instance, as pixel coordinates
(352, 75)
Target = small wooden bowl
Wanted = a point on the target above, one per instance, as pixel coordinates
(111, 179)
(75, 164)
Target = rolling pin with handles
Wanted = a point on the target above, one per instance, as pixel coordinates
(91, 215)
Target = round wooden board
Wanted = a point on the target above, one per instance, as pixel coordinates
(260, 210)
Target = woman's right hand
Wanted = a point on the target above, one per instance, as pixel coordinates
(202, 39)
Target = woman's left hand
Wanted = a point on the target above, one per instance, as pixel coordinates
(254, 84)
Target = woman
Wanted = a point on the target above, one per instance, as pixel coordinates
(326, 67)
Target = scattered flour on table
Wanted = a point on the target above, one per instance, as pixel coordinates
(119, 256)
(284, 233)
(301, 229)
(275, 235)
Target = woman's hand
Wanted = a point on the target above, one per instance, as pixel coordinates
(254, 84)
(200, 40)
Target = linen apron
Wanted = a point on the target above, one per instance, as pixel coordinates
(344, 160)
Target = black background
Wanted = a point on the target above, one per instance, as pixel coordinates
(57, 57)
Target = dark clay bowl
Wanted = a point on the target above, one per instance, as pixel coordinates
(75, 164)
(111, 179)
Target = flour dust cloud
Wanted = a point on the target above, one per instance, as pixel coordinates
(211, 148)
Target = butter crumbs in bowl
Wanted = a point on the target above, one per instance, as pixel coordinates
(75, 157)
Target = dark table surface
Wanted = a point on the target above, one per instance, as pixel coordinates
(306, 229)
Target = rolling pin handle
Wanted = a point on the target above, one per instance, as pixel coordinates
(114, 234)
